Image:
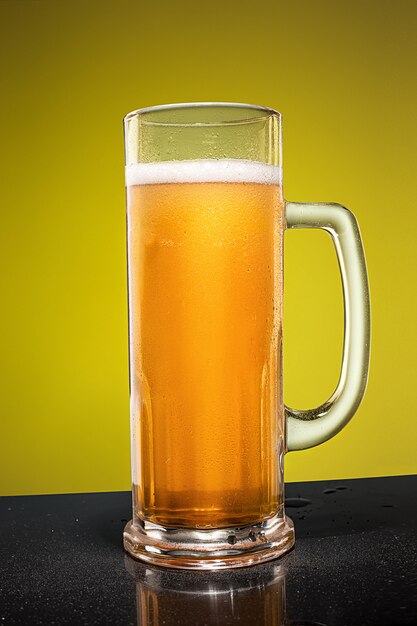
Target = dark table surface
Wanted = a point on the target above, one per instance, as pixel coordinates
(354, 563)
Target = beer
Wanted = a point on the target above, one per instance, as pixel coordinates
(205, 284)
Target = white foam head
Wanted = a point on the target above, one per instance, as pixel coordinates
(203, 171)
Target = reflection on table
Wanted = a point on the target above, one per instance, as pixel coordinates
(247, 596)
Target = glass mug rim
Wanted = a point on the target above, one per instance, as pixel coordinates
(267, 112)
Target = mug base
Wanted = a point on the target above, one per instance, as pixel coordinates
(208, 549)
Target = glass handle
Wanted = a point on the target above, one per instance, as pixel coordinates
(314, 426)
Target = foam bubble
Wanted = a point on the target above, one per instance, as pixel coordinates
(203, 171)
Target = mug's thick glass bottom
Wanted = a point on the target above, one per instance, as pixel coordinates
(209, 549)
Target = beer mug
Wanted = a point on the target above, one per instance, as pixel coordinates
(209, 429)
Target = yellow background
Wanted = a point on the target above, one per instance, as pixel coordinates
(343, 76)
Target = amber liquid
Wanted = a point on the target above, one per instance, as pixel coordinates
(205, 292)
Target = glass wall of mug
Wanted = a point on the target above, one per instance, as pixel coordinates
(205, 215)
